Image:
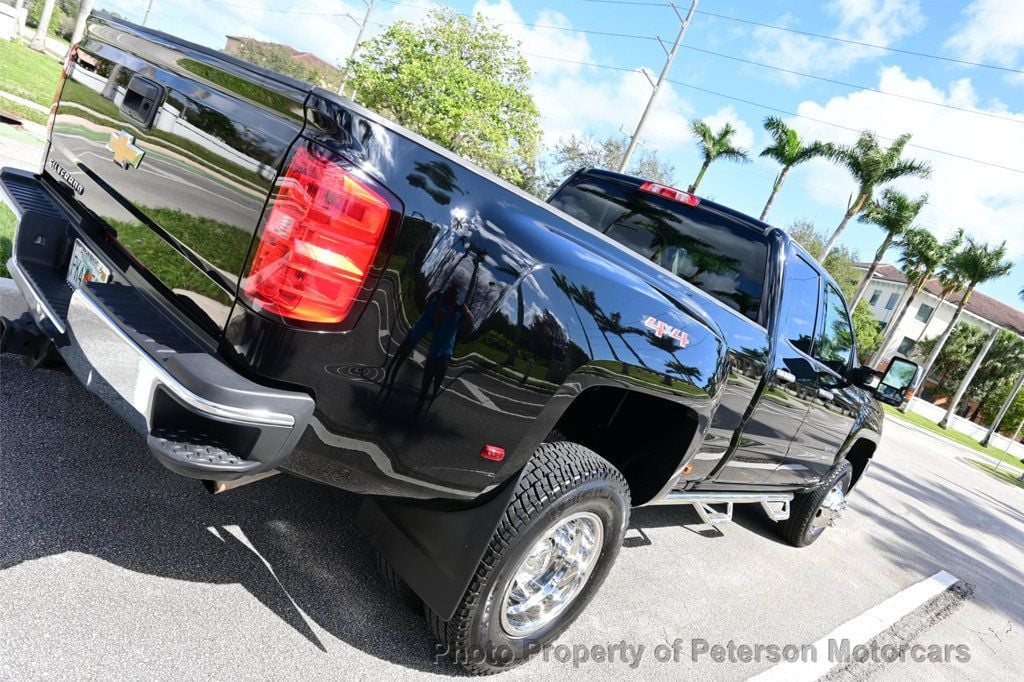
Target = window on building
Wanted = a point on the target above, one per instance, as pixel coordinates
(924, 312)
(875, 295)
(891, 303)
(906, 345)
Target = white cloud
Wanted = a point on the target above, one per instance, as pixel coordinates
(987, 202)
(535, 40)
(878, 22)
(992, 33)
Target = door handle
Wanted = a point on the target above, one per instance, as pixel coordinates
(784, 377)
(826, 395)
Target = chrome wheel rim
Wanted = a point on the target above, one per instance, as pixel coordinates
(829, 510)
(552, 574)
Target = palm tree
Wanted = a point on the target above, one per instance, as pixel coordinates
(977, 263)
(715, 145)
(871, 165)
(922, 254)
(788, 150)
(895, 213)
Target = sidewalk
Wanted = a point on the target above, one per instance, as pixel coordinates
(967, 451)
(21, 149)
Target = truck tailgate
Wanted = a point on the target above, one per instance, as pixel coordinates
(175, 147)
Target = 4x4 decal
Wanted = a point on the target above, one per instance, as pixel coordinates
(661, 329)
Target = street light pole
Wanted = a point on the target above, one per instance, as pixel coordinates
(635, 138)
(149, 8)
(355, 48)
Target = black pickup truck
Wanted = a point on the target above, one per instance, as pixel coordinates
(263, 276)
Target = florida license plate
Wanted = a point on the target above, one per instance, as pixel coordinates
(85, 267)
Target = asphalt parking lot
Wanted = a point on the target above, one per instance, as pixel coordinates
(115, 567)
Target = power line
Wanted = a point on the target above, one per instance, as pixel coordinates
(852, 85)
(858, 42)
(782, 111)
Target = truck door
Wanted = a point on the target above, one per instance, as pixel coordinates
(777, 418)
(833, 404)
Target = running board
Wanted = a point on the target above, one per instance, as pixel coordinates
(702, 502)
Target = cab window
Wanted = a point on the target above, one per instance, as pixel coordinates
(836, 345)
(800, 290)
(712, 251)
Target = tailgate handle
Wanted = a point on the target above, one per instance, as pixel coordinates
(142, 99)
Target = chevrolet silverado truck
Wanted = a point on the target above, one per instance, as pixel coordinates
(262, 276)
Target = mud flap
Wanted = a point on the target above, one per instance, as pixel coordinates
(436, 552)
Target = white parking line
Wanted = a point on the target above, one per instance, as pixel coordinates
(860, 630)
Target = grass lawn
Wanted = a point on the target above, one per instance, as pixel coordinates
(224, 245)
(1003, 473)
(7, 223)
(953, 435)
(28, 73)
(20, 111)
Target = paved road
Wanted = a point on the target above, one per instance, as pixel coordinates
(114, 567)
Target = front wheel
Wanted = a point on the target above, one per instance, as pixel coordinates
(551, 551)
(814, 511)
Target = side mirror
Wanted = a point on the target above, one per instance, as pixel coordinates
(894, 387)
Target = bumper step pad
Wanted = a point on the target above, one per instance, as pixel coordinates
(197, 449)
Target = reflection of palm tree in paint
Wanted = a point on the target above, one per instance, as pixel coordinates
(437, 179)
(562, 283)
(606, 324)
(673, 366)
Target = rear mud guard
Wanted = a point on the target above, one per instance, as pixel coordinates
(435, 552)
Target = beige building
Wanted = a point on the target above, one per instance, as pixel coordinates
(929, 315)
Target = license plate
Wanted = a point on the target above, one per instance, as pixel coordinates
(85, 267)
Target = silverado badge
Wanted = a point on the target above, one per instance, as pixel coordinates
(126, 154)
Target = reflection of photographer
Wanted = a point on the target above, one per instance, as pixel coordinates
(444, 318)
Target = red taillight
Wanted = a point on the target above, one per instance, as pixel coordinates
(319, 241)
(670, 193)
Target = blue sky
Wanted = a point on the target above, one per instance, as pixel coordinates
(987, 201)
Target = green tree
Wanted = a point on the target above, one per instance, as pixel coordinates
(458, 81)
(1000, 368)
(1013, 416)
(841, 264)
(976, 263)
(281, 59)
(894, 213)
(56, 18)
(788, 150)
(871, 166)
(589, 151)
(955, 357)
(921, 254)
(715, 145)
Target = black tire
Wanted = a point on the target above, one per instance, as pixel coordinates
(394, 582)
(560, 480)
(799, 530)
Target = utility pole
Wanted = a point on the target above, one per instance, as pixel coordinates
(355, 47)
(149, 8)
(656, 86)
(968, 378)
(1002, 410)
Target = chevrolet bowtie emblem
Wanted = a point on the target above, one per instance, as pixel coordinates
(126, 154)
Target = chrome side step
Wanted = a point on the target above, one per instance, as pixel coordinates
(702, 503)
